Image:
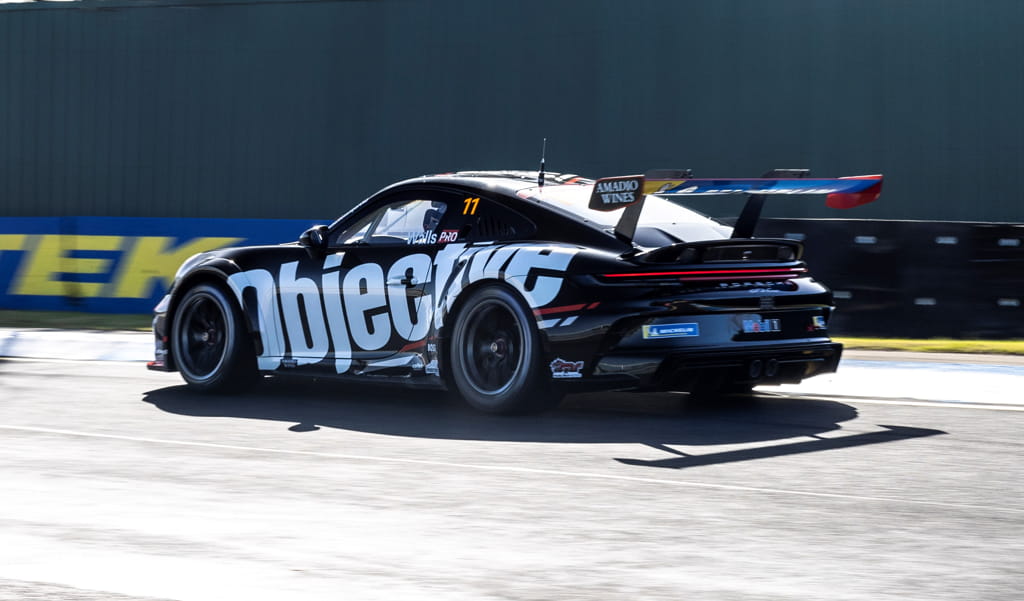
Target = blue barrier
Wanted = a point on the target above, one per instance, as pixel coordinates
(113, 264)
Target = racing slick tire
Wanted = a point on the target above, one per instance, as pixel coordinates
(209, 343)
(496, 355)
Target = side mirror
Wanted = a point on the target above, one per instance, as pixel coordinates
(314, 240)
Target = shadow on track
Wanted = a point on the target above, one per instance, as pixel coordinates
(890, 434)
(651, 419)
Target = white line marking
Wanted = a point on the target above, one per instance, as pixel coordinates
(810, 396)
(514, 469)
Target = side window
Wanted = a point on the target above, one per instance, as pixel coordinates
(402, 222)
(409, 222)
(354, 234)
(483, 220)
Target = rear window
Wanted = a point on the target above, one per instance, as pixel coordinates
(680, 221)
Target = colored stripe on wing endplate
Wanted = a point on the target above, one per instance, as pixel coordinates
(861, 184)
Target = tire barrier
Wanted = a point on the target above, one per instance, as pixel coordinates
(916, 279)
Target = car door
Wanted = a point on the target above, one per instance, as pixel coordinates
(378, 277)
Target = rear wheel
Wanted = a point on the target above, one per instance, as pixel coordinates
(209, 343)
(495, 355)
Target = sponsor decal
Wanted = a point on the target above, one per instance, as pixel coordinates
(818, 322)
(560, 368)
(760, 326)
(303, 314)
(616, 192)
(671, 330)
(448, 236)
(422, 238)
(764, 187)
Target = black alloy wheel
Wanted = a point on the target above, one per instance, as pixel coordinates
(495, 354)
(208, 340)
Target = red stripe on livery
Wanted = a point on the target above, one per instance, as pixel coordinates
(562, 309)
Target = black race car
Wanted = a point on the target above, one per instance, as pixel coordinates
(513, 288)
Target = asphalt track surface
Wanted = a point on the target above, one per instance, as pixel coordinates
(897, 482)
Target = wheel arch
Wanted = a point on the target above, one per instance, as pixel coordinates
(444, 338)
(215, 274)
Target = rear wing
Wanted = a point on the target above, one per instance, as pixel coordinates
(613, 193)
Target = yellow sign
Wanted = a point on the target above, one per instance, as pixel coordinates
(125, 267)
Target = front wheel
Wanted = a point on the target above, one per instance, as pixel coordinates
(209, 343)
(496, 357)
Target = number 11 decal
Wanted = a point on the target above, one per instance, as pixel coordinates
(470, 208)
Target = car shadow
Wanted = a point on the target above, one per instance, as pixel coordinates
(655, 420)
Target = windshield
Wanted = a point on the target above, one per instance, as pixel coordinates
(675, 219)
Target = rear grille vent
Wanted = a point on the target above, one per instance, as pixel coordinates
(725, 251)
(706, 276)
(752, 252)
(493, 228)
(488, 227)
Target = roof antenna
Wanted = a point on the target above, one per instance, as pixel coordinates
(540, 174)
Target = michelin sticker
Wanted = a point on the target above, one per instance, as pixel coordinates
(671, 330)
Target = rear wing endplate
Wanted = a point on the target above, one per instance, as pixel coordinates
(613, 193)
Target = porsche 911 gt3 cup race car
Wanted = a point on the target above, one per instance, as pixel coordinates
(514, 288)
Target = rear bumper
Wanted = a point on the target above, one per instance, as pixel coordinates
(685, 370)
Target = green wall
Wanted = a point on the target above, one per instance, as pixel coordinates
(297, 109)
